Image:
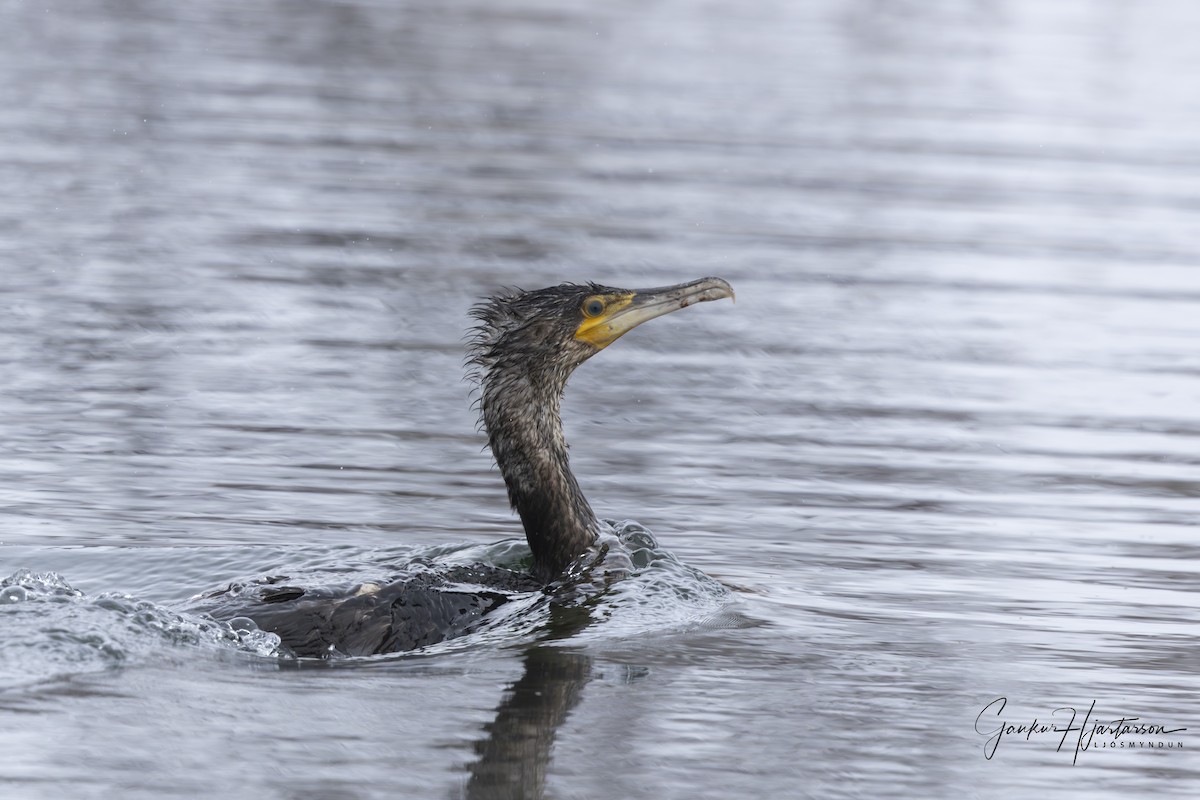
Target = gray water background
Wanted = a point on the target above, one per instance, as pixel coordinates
(945, 447)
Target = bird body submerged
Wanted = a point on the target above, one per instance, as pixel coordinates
(525, 347)
(401, 613)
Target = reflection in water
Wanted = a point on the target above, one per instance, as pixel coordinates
(513, 759)
(514, 756)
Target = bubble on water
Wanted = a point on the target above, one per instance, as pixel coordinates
(52, 629)
(624, 585)
(630, 584)
(243, 625)
(13, 594)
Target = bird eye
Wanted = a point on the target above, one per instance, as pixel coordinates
(593, 306)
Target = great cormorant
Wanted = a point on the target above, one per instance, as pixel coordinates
(525, 347)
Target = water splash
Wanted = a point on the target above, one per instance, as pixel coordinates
(52, 629)
(633, 585)
(627, 584)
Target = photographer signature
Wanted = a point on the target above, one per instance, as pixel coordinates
(995, 727)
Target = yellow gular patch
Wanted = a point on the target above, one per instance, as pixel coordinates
(598, 329)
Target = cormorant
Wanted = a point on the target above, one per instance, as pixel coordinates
(526, 345)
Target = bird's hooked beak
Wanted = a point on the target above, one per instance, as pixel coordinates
(607, 317)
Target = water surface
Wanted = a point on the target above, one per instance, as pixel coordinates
(944, 448)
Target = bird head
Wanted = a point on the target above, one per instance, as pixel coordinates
(548, 332)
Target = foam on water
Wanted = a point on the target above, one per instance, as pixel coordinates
(632, 585)
(53, 630)
(627, 585)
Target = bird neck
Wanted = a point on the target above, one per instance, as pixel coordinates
(521, 412)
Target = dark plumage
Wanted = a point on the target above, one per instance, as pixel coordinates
(524, 349)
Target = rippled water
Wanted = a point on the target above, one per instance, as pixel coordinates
(944, 448)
